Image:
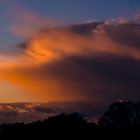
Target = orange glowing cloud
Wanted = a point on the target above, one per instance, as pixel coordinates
(31, 70)
(55, 44)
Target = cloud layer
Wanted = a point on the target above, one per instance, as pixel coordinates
(93, 61)
(29, 112)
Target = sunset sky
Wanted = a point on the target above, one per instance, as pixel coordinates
(84, 51)
(63, 11)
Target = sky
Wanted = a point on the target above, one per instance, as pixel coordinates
(65, 11)
(81, 10)
(90, 8)
(84, 51)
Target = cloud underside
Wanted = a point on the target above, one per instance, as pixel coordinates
(30, 112)
(99, 62)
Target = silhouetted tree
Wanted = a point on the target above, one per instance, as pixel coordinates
(120, 115)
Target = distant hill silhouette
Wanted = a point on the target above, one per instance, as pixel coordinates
(62, 121)
(119, 115)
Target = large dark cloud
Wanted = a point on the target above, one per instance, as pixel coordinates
(97, 63)
(107, 78)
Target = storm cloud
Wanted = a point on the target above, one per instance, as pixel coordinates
(96, 62)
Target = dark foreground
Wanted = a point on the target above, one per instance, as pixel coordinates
(119, 115)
